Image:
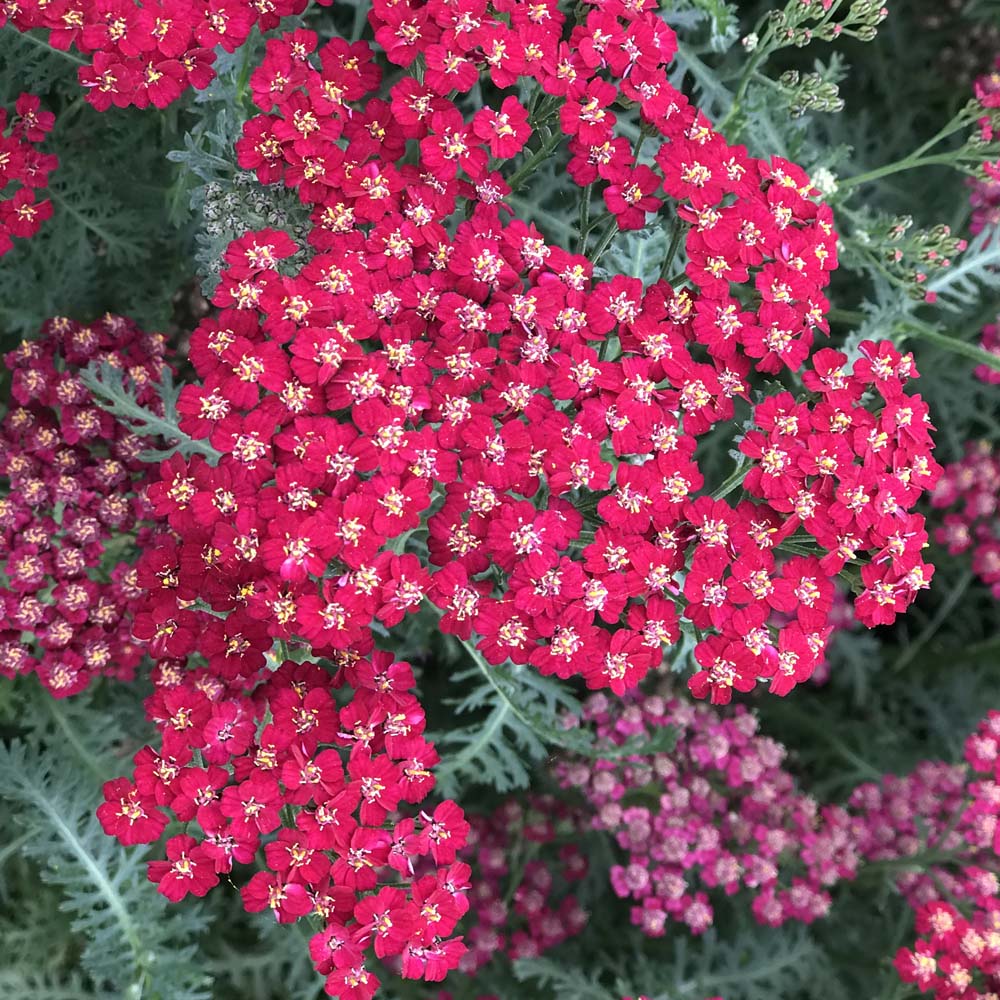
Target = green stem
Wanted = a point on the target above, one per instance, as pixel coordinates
(947, 606)
(761, 53)
(907, 163)
(245, 70)
(534, 161)
(735, 479)
(675, 241)
(851, 316)
(606, 239)
(959, 121)
(585, 218)
(923, 331)
(360, 20)
(51, 48)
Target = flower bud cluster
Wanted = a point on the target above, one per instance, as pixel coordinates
(70, 478)
(226, 214)
(24, 170)
(804, 21)
(971, 488)
(527, 865)
(810, 92)
(915, 255)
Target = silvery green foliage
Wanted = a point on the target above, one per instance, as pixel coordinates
(133, 945)
(747, 963)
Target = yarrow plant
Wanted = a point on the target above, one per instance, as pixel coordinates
(489, 370)
(144, 55)
(721, 815)
(24, 170)
(73, 497)
(522, 361)
(972, 486)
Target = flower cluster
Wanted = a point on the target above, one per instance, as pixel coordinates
(985, 196)
(263, 755)
(972, 485)
(720, 814)
(717, 814)
(310, 749)
(143, 54)
(24, 170)
(955, 956)
(533, 843)
(943, 817)
(914, 254)
(959, 955)
(991, 343)
(541, 425)
(70, 499)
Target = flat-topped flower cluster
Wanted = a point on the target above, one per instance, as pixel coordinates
(74, 478)
(431, 364)
(969, 493)
(145, 54)
(24, 170)
(721, 814)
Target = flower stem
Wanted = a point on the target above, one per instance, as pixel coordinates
(51, 48)
(907, 163)
(534, 161)
(923, 331)
(609, 235)
(734, 480)
(675, 241)
(956, 593)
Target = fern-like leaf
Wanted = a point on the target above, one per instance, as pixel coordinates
(520, 723)
(132, 941)
(520, 707)
(23, 984)
(746, 963)
(960, 287)
(279, 953)
(112, 392)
